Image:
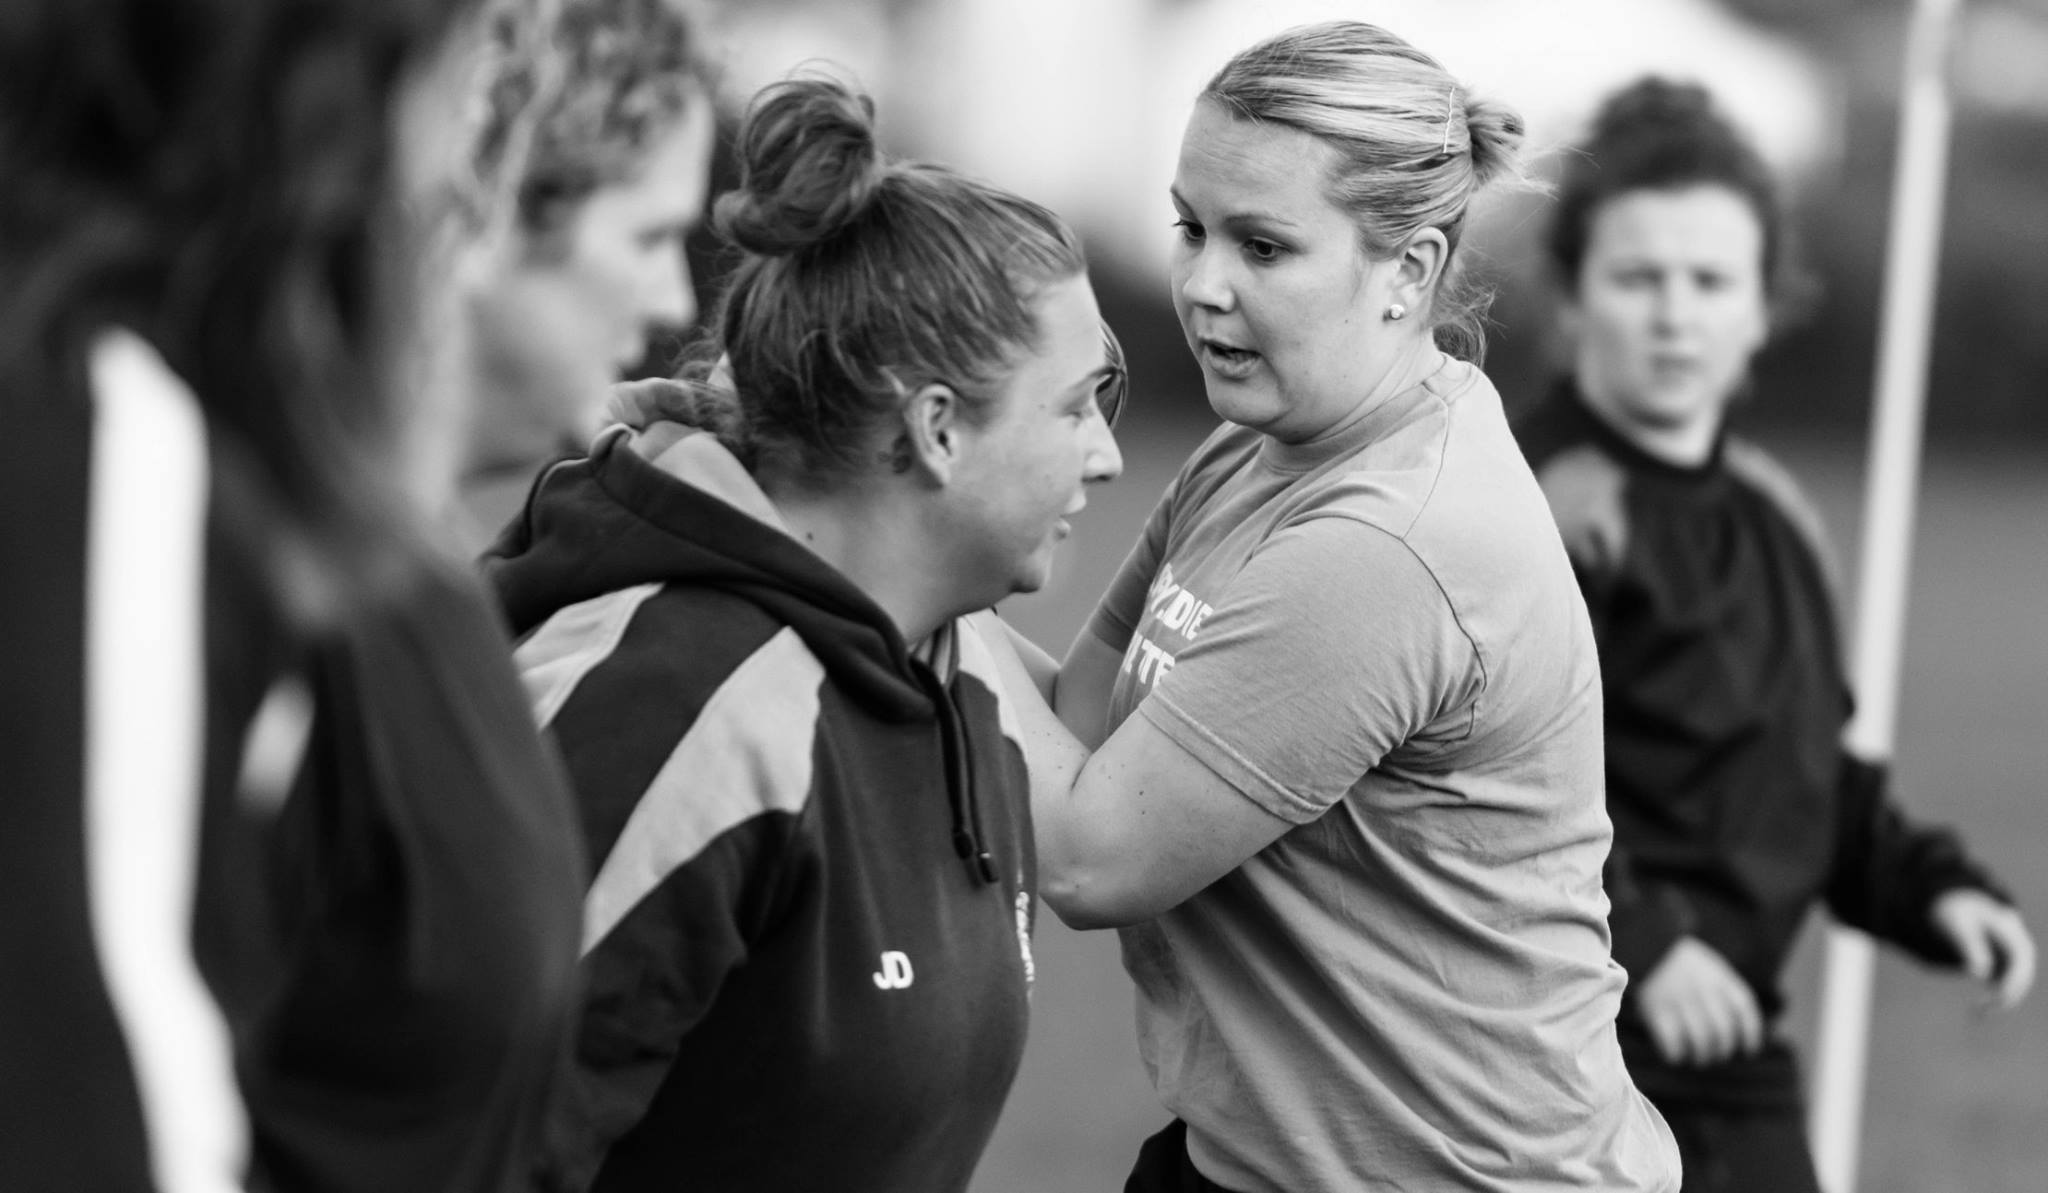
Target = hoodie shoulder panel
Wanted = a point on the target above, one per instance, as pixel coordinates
(621, 679)
(569, 645)
(746, 753)
(977, 661)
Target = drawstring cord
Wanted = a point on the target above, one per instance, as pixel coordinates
(960, 794)
(984, 865)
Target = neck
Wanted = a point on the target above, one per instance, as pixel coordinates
(872, 533)
(1684, 442)
(1686, 446)
(1418, 358)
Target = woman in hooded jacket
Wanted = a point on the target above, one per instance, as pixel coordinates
(806, 940)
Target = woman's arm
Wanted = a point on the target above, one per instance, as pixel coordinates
(1136, 827)
(1286, 697)
(1079, 689)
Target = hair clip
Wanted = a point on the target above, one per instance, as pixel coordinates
(1450, 106)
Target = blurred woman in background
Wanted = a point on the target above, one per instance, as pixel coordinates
(1736, 807)
(1331, 743)
(807, 941)
(290, 883)
(614, 176)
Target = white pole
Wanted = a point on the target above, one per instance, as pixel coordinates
(1912, 261)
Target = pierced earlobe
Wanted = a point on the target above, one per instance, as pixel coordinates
(898, 456)
(1396, 312)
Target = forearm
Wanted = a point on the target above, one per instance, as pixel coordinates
(1054, 756)
(1133, 827)
(1040, 669)
(1887, 873)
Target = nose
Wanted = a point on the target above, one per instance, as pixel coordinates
(1203, 280)
(667, 298)
(1676, 303)
(1103, 460)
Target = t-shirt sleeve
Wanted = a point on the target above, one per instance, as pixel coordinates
(1333, 646)
(1116, 617)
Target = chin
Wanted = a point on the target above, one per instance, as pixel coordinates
(1034, 572)
(1675, 409)
(1030, 580)
(1245, 405)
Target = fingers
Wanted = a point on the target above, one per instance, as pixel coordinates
(1993, 941)
(2006, 936)
(1748, 1019)
(1698, 1010)
(1672, 1040)
(638, 403)
(1968, 930)
(1725, 1021)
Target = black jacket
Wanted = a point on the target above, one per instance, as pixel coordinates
(806, 944)
(368, 957)
(1735, 806)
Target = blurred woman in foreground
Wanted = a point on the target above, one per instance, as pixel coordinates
(1331, 744)
(1735, 805)
(288, 893)
(807, 941)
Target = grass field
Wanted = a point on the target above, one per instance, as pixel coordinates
(1958, 1098)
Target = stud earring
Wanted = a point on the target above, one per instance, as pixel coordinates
(1396, 312)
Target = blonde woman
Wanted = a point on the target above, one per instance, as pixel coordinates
(1329, 752)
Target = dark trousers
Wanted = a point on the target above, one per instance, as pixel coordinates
(1163, 1166)
(1742, 1151)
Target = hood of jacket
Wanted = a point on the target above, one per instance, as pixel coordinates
(693, 515)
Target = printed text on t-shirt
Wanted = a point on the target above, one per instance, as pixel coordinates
(1169, 606)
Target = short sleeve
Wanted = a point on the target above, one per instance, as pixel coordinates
(1116, 617)
(1330, 649)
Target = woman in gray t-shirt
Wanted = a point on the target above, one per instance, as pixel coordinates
(1329, 751)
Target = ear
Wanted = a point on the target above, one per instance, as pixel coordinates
(932, 441)
(1571, 318)
(1418, 266)
(1764, 321)
(541, 242)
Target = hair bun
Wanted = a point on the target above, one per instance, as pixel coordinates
(1495, 130)
(808, 163)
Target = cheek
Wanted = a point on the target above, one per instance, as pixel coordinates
(504, 319)
(608, 280)
(540, 330)
(1614, 330)
(1176, 281)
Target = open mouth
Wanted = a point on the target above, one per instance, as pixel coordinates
(1226, 359)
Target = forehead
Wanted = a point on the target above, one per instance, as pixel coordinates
(1234, 166)
(1069, 344)
(674, 176)
(1706, 223)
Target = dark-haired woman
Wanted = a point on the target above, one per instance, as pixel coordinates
(1735, 806)
(1343, 794)
(288, 889)
(807, 938)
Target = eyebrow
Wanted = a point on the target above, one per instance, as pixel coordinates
(1093, 381)
(1240, 219)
